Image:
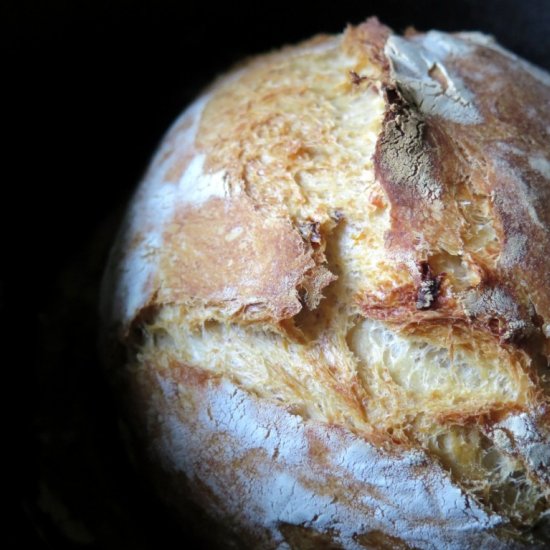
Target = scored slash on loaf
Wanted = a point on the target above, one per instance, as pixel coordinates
(327, 312)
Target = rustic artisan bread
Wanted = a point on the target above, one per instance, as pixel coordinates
(328, 309)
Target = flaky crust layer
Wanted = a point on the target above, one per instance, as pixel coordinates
(328, 308)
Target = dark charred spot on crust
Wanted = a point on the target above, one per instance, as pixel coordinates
(357, 79)
(494, 325)
(393, 97)
(536, 319)
(428, 290)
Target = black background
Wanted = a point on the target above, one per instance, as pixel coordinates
(91, 87)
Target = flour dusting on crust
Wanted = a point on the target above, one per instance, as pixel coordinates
(331, 290)
(288, 485)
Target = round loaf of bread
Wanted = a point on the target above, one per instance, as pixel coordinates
(327, 313)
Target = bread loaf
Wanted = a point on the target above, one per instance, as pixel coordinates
(327, 313)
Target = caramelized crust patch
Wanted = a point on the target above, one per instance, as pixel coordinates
(359, 232)
(230, 255)
(463, 158)
(514, 99)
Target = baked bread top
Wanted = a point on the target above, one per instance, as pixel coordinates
(347, 243)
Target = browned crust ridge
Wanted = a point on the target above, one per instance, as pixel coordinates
(250, 258)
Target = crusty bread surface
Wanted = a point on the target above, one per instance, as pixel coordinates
(327, 312)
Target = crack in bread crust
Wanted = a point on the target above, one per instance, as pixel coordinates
(361, 264)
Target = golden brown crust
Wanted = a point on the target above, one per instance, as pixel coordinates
(231, 255)
(503, 157)
(332, 289)
(425, 211)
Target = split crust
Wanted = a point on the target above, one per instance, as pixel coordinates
(331, 294)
